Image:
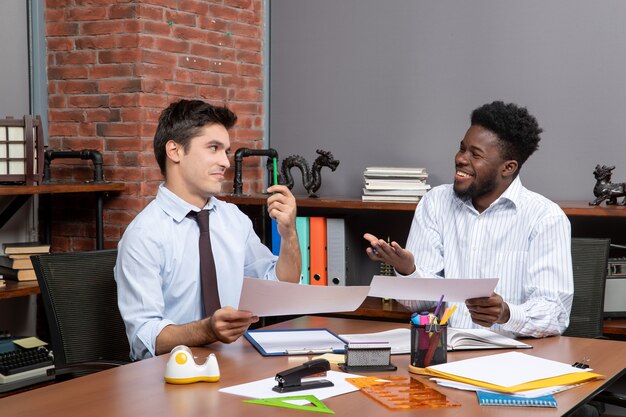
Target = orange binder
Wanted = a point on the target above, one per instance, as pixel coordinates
(317, 257)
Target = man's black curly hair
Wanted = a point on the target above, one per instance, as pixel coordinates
(517, 129)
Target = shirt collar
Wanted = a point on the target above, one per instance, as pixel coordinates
(176, 207)
(512, 195)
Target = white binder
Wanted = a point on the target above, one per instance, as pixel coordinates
(336, 252)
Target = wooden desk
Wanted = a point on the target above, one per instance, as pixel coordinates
(138, 388)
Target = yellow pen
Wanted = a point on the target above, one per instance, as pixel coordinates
(447, 315)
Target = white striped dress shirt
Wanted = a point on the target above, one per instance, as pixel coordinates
(523, 239)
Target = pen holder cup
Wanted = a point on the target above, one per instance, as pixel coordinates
(429, 343)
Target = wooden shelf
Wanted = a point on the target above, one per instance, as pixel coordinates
(571, 208)
(614, 327)
(59, 188)
(582, 208)
(18, 289)
(323, 202)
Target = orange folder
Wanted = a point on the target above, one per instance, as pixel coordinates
(317, 257)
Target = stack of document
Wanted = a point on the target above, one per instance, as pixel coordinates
(511, 373)
(394, 184)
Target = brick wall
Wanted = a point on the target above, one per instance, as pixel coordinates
(114, 65)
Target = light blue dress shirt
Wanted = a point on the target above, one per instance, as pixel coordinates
(158, 267)
(522, 238)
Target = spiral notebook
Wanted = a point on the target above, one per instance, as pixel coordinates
(494, 398)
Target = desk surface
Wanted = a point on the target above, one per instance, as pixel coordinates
(138, 388)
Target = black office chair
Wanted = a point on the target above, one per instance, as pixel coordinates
(80, 299)
(589, 262)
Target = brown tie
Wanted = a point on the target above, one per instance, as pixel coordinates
(208, 275)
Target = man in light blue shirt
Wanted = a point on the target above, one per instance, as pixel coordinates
(158, 264)
(488, 225)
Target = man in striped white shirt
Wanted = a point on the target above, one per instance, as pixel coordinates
(487, 225)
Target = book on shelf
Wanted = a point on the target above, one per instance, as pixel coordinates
(396, 185)
(470, 339)
(20, 256)
(408, 193)
(25, 247)
(16, 263)
(383, 172)
(8, 273)
(391, 198)
(26, 275)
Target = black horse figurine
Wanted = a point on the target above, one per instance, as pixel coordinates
(604, 189)
(311, 178)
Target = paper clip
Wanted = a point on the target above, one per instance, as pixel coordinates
(584, 364)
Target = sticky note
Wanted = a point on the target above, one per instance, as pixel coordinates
(29, 342)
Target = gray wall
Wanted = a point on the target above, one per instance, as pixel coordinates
(14, 78)
(17, 315)
(393, 83)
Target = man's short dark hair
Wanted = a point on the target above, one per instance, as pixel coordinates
(517, 130)
(181, 121)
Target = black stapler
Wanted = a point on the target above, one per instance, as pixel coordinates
(291, 379)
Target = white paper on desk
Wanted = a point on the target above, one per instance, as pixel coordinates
(263, 387)
(531, 393)
(274, 298)
(430, 289)
(507, 369)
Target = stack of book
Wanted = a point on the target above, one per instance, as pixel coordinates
(395, 184)
(16, 264)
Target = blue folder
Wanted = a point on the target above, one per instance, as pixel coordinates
(295, 342)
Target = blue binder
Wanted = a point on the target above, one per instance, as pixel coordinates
(493, 398)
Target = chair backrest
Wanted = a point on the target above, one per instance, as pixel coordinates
(589, 261)
(79, 294)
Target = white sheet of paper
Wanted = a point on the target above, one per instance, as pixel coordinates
(430, 289)
(274, 298)
(532, 393)
(263, 387)
(507, 369)
(399, 339)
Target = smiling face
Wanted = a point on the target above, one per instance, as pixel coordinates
(482, 174)
(197, 173)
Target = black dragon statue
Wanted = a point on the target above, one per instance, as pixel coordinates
(311, 177)
(605, 189)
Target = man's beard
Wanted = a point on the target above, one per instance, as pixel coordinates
(477, 189)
